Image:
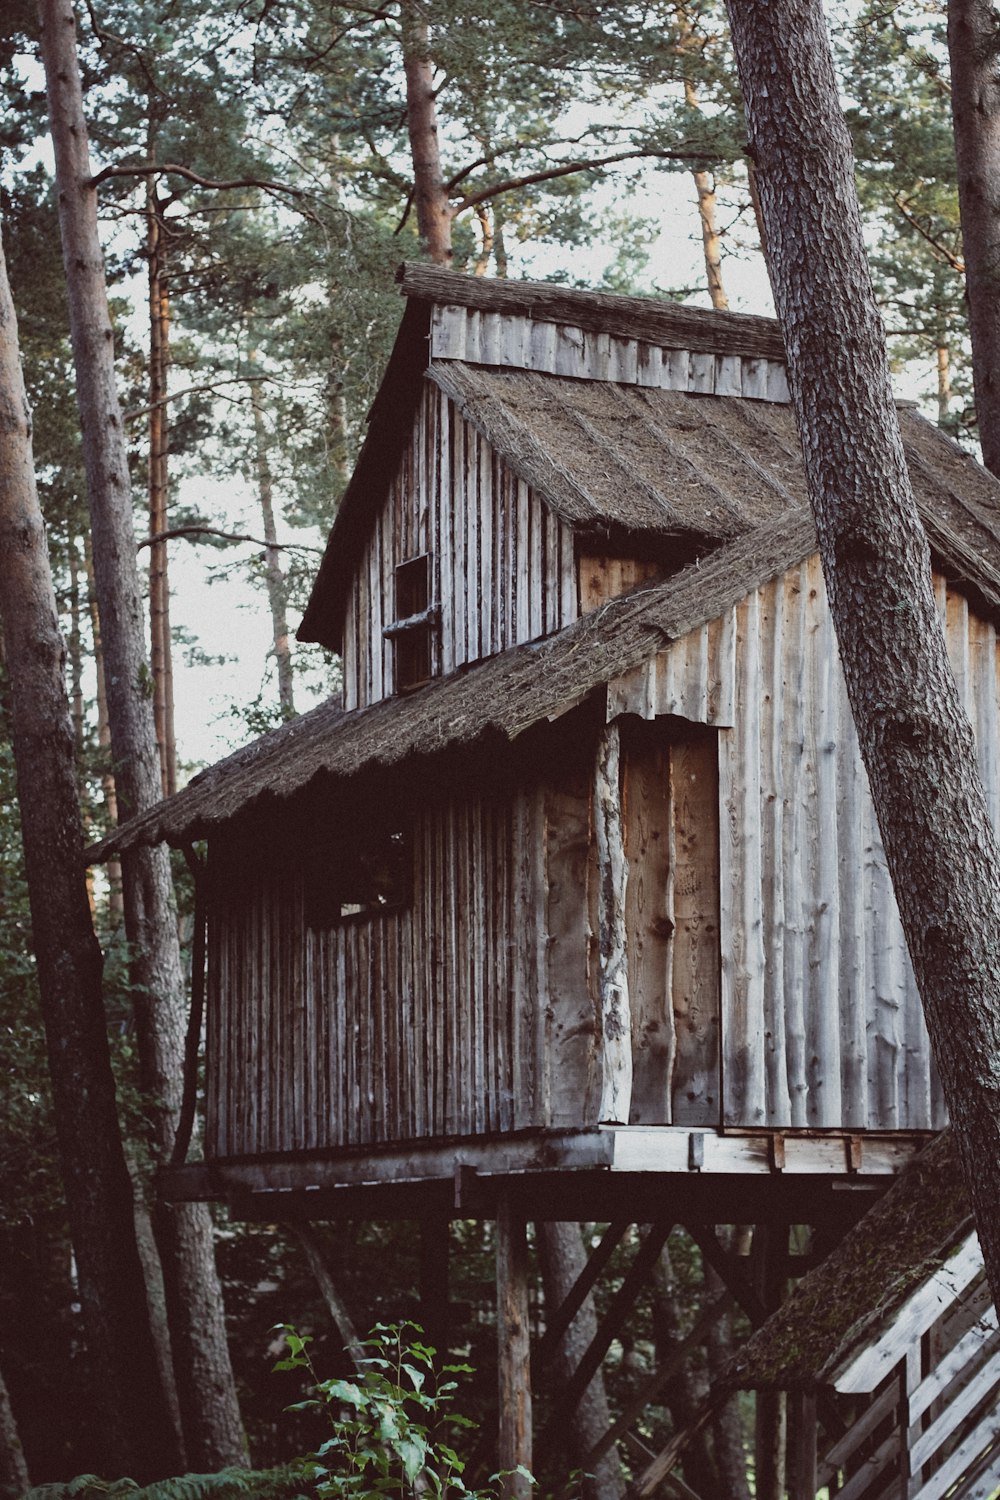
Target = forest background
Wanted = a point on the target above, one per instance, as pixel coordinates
(262, 170)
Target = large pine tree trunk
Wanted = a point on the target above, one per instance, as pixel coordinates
(973, 42)
(916, 741)
(125, 1385)
(205, 1385)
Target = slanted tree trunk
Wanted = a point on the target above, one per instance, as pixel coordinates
(126, 1389)
(205, 1385)
(429, 193)
(974, 45)
(563, 1258)
(277, 591)
(916, 741)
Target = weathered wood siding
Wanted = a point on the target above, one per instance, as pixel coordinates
(502, 565)
(472, 1010)
(821, 1021)
(507, 339)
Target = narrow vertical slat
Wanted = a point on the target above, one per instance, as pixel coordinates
(792, 731)
(823, 970)
(743, 950)
(446, 524)
(521, 564)
(852, 788)
(773, 801)
(536, 567)
(486, 570)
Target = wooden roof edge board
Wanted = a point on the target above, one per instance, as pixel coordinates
(671, 325)
(507, 694)
(846, 1302)
(861, 1371)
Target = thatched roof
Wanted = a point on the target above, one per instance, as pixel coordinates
(621, 462)
(666, 324)
(500, 698)
(624, 459)
(845, 1302)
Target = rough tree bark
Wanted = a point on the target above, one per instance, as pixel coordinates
(916, 741)
(429, 192)
(563, 1259)
(212, 1432)
(974, 45)
(126, 1389)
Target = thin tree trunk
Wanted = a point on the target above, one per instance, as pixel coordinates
(429, 193)
(726, 1427)
(915, 738)
(943, 383)
(974, 45)
(711, 242)
(116, 903)
(205, 1385)
(563, 1258)
(75, 649)
(126, 1389)
(14, 1478)
(161, 654)
(685, 1392)
(277, 592)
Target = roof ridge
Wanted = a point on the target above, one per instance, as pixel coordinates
(653, 320)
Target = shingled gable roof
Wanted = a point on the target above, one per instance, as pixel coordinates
(845, 1302)
(521, 423)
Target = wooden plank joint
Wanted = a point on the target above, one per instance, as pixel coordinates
(696, 1151)
(776, 1152)
(854, 1153)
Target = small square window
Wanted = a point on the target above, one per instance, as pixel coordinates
(410, 631)
(360, 872)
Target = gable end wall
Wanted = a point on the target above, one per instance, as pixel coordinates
(502, 564)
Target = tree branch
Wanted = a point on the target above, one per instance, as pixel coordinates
(173, 169)
(566, 169)
(948, 256)
(190, 390)
(225, 536)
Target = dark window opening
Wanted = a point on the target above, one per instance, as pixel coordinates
(359, 873)
(416, 616)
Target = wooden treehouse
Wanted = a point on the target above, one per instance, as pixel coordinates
(574, 905)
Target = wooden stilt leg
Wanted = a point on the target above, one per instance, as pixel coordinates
(804, 1437)
(434, 1292)
(769, 1261)
(513, 1350)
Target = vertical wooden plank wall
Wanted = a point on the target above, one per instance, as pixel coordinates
(502, 566)
(821, 1021)
(822, 1024)
(468, 1012)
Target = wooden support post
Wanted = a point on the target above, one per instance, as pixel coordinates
(513, 1350)
(434, 1287)
(769, 1264)
(804, 1437)
(616, 1016)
